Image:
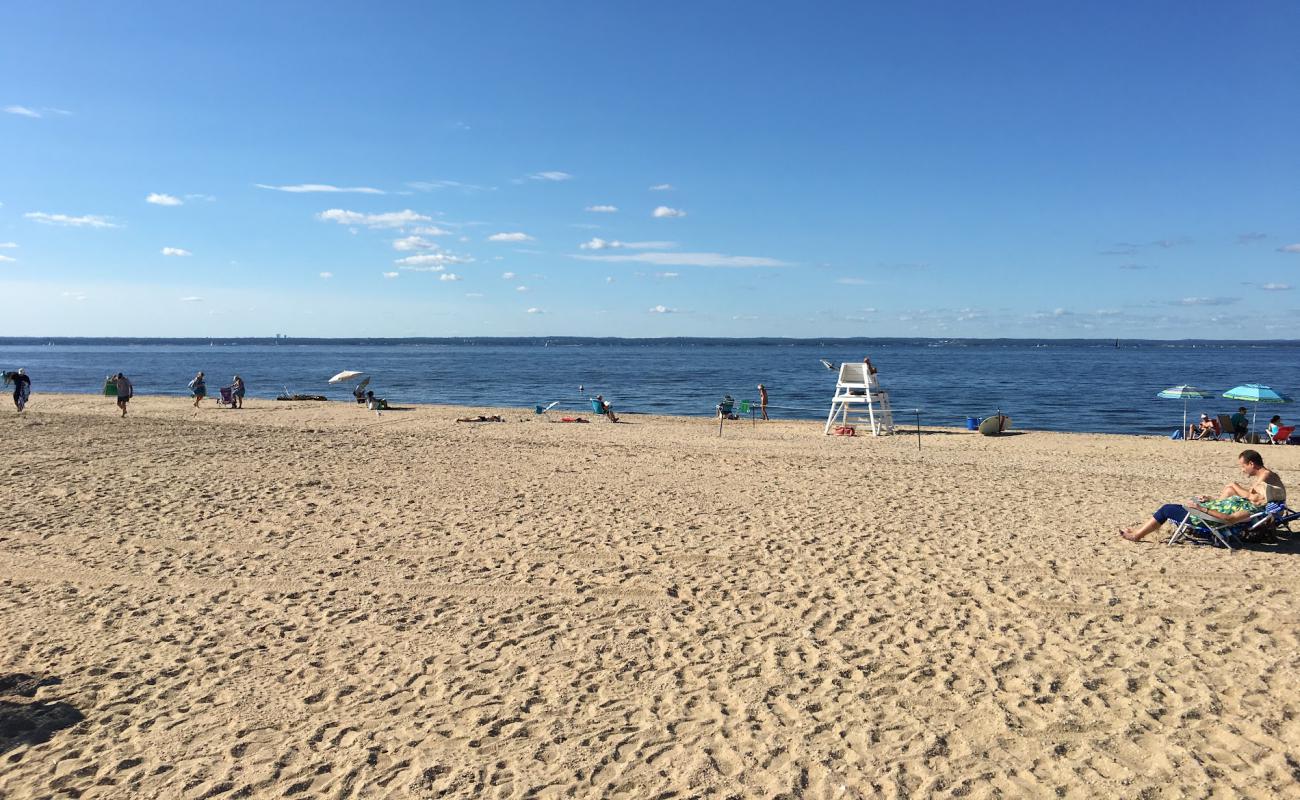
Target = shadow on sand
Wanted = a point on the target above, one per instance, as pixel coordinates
(25, 721)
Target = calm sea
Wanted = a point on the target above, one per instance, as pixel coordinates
(1077, 385)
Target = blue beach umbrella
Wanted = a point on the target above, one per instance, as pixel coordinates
(1255, 393)
(1184, 393)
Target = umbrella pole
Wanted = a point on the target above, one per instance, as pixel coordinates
(1184, 419)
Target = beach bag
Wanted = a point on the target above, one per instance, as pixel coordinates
(110, 387)
(1178, 434)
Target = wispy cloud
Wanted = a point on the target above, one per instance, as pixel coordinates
(509, 276)
(391, 275)
(1131, 248)
(603, 209)
(1135, 267)
(473, 294)
(23, 111)
(667, 275)
(430, 262)
(602, 244)
(5, 258)
(662, 309)
(192, 299)
(553, 175)
(159, 199)
(688, 260)
(1289, 248)
(1276, 287)
(176, 251)
(664, 212)
(207, 198)
(390, 219)
(63, 220)
(662, 187)
(8, 245)
(314, 188)
(449, 276)
(1206, 301)
(852, 281)
(1250, 238)
(413, 243)
(433, 186)
(514, 236)
(327, 275)
(521, 288)
(536, 311)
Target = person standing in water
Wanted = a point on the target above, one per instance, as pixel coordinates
(762, 400)
(124, 391)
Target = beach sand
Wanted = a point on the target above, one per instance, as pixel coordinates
(304, 599)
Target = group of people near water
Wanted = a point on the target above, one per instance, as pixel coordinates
(1236, 503)
(199, 390)
(1238, 428)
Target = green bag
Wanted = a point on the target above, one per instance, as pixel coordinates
(744, 406)
(110, 387)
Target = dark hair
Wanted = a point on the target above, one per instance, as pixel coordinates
(1276, 418)
(1252, 457)
(1242, 409)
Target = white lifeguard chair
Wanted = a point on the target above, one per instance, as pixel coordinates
(860, 400)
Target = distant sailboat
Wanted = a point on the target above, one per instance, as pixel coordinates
(1117, 344)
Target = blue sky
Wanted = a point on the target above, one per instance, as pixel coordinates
(666, 169)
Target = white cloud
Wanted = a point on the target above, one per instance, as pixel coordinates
(409, 243)
(662, 187)
(391, 275)
(1289, 248)
(449, 276)
(536, 311)
(78, 296)
(1206, 301)
(550, 176)
(597, 243)
(176, 251)
(313, 188)
(5, 258)
(609, 279)
(23, 111)
(429, 186)
(88, 221)
(430, 262)
(390, 219)
(662, 309)
(8, 245)
(509, 276)
(515, 236)
(205, 197)
(603, 209)
(1276, 287)
(521, 288)
(327, 275)
(431, 230)
(191, 299)
(851, 281)
(160, 199)
(689, 260)
(473, 294)
(663, 212)
(666, 274)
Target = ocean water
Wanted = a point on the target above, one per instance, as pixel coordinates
(1077, 385)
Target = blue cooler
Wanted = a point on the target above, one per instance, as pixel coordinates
(972, 423)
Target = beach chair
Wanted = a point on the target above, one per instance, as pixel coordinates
(1276, 518)
(596, 407)
(226, 396)
(1207, 530)
(855, 401)
(1226, 428)
(1283, 435)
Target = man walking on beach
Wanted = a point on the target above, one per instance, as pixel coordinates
(762, 400)
(22, 388)
(124, 391)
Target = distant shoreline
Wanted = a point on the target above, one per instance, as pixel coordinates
(345, 341)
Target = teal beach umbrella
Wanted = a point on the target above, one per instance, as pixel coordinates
(1255, 393)
(1184, 393)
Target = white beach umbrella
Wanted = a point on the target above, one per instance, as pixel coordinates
(346, 375)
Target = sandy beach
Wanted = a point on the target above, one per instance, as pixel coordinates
(304, 599)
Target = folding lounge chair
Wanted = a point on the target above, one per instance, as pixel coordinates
(1215, 531)
(227, 396)
(1283, 435)
(1226, 428)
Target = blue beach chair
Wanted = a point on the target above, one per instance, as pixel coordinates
(1207, 530)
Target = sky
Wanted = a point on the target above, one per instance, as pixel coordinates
(650, 169)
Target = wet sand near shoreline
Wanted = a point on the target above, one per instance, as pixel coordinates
(305, 599)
